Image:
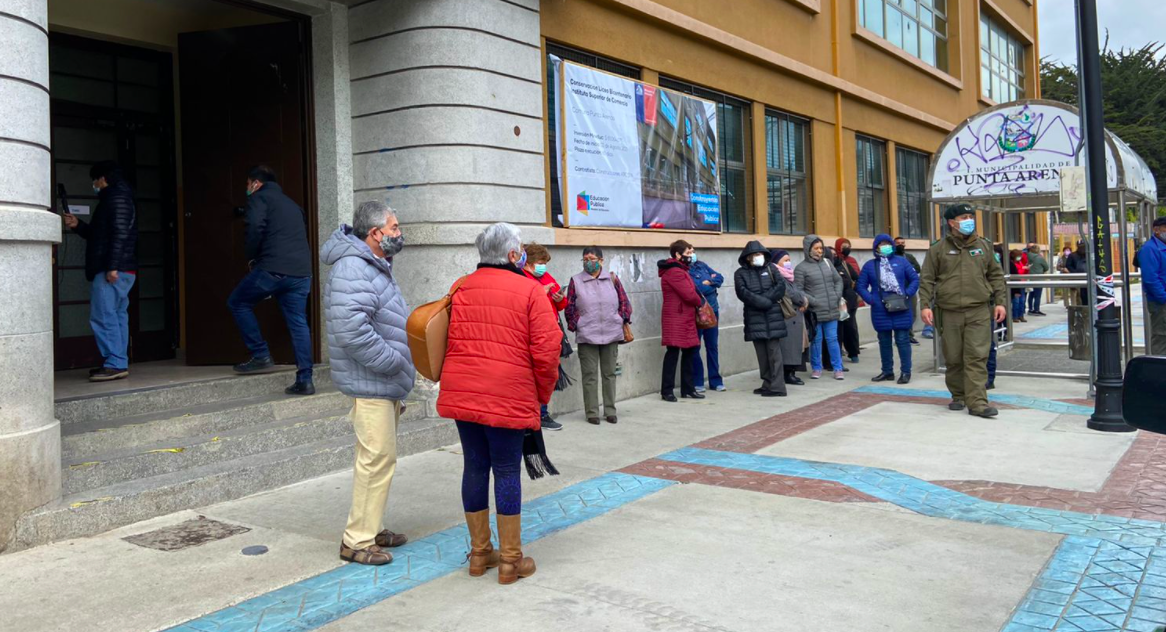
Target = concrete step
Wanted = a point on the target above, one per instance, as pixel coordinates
(144, 401)
(101, 509)
(85, 440)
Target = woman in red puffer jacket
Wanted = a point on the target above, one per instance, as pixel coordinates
(678, 321)
(501, 364)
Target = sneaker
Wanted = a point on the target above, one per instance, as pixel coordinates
(839, 375)
(255, 365)
(701, 389)
(816, 375)
(551, 424)
(929, 333)
(914, 340)
(721, 388)
(106, 374)
(301, 388)
(854, 359)
(388, 539)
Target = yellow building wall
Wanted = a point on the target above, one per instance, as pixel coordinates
(780, 54)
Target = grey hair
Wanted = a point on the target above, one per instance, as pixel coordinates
(369, 215)
(497, 242)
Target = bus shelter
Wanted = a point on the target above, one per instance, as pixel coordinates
(1007, 160)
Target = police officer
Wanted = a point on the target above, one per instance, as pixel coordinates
(962, 280)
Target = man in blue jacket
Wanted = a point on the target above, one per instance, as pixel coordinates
(707, 281)
(281, 267)
(1152, 258)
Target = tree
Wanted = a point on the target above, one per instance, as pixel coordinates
(1134, 87)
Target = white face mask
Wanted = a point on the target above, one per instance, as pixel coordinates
(757, 261)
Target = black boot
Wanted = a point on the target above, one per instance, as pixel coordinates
(301, 388)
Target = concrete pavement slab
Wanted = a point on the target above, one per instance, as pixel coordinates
(702, 558)
(936, 444)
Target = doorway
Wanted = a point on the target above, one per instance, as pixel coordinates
(185, 97)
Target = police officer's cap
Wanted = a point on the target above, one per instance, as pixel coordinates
(955, 210)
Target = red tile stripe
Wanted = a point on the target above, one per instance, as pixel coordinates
(792, 486)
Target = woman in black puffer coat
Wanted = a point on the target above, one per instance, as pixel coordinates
(761, 289)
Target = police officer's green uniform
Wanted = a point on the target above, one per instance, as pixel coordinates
(964, 282)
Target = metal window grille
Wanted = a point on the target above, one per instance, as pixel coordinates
(911, 176)
(787, 173)
(872, 186)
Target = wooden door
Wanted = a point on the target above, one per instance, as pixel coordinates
(244, 102)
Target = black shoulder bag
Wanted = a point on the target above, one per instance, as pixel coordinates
(894, 303)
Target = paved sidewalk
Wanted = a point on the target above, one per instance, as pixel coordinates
(845, 506)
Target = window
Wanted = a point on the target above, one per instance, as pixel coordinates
(734, 127)
(587, 59)
(1011, 229)
(919, 27)
(1001, 63)
(872, 187)
(911, 174)
(1030, 235)
(787, 173)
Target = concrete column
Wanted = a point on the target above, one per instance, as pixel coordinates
(447, 127)
(30, 437)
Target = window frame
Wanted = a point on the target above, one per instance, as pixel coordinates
(941, 36)
(996, 71)
(725, 166)
(877, 192)
(908, 198)
(599, 62)
(776, 145)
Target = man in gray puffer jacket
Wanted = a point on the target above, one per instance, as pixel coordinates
(371, 363)
(822, 285)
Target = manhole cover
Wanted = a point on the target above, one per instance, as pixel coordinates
(185, 535)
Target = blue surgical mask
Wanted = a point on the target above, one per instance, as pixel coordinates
(967, 226)
(96, 190)
(886, 250)
(692, 258)
(540, 269)
(521, 263)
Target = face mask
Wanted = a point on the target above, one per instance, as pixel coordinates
(692, 258)
(900, 250)
(886, 250)
(540, 269)
(521, 263)
(1066, 253)
(846, 251)
(788, 265)
(686, 259)
(591, 267)
(967, 226)
(392, 245)
(96, 190)
(758, 260)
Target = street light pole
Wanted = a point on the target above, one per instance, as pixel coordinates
(1107, 405)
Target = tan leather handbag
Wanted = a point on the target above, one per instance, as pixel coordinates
(428, 332)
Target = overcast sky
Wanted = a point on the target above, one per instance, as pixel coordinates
(1131, 24)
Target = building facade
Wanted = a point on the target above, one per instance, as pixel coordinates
(828, 111)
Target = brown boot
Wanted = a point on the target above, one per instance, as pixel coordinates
(514, 565)
(482, 553)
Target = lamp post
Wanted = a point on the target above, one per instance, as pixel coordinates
(1107, 404)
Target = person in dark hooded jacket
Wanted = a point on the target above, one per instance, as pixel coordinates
(110, 267)
(761, 289)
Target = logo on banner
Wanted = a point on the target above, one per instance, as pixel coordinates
(1016, 132)
(583, 203)
(646, 104)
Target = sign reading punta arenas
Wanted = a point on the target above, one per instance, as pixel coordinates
(1013, 149)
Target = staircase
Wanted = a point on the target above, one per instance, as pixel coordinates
(135, 455)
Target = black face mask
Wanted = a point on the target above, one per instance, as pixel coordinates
(899, 250)
(846, 251)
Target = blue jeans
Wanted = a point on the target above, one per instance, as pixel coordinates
(109, 305)
(292, 294)
(711, 338)
(1034, 297)
(1017, 306)
(829, 331)
(484, 449)
(902, 340)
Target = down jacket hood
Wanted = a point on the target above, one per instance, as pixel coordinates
(808, 242)
(753, 248)
(664, 265)
(343, 243)
(878, 240)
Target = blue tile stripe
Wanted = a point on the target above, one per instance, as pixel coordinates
(1034, 403)
(1108, 574)
(324, 598)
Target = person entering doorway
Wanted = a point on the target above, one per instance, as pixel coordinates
(110, 267)
(280, 259)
